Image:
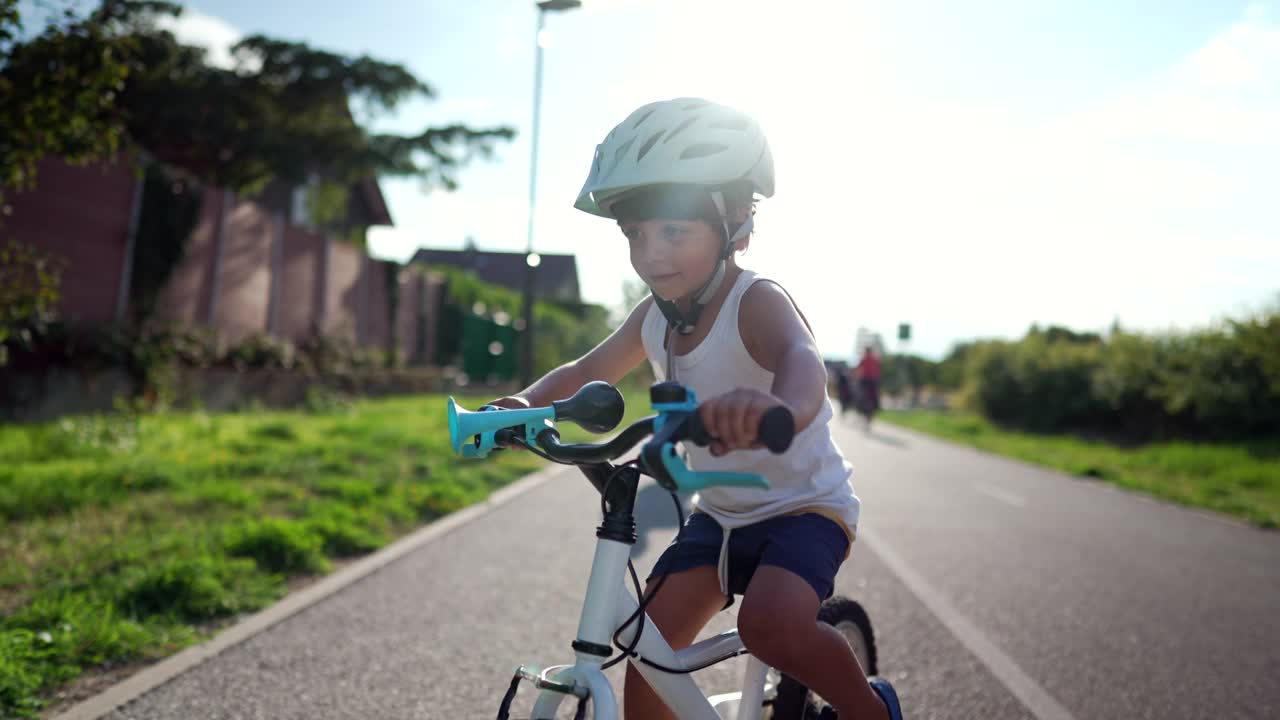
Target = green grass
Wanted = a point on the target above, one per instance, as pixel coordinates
(128, 538)
(1240, 479)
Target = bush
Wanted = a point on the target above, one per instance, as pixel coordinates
(30, 284)
(567, 332)
(1036, 384)
(1217, 387)
(1129, 383)
(82, 347)
(563, 331)
(262, 351)
(339, 354)
(1218, 383)
(148, 356)
(321, 400)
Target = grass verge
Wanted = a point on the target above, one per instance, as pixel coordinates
(1240, 479)
(128, 538)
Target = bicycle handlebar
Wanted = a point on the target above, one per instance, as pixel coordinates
(777, 428)
(601, 404)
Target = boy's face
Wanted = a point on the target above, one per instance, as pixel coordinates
(673, 257)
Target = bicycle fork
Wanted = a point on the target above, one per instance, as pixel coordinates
(542, 682)
(594, 643)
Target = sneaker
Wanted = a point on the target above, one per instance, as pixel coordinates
(887, 695)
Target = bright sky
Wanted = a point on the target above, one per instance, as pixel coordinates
(968, 167)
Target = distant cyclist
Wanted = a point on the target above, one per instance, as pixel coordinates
(844, 389)
(867, 374)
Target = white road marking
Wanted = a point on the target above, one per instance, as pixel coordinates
(1001, 495)
(1038, 700)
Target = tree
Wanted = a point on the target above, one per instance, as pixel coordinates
(283, 114)
(59, 91)
(85, 88)
(633, 291)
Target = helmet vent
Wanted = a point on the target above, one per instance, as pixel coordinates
(648, 145)
(738, 123)
(621, 151)
(702, 150)
(642, 118)
(680, 128)
(694, 106)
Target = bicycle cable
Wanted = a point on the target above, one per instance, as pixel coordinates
(645, 599)
(538, 451)
(639, 614)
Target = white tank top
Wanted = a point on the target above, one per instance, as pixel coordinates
(811, 475)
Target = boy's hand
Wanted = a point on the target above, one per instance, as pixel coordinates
(733, 419)
(510, 402)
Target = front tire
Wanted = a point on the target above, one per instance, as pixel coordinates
(794, 701)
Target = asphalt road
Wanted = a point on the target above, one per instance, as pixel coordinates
(998, 590)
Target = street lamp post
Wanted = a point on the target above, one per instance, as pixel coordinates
(531, 258)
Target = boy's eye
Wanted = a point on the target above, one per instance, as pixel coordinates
(672, 232)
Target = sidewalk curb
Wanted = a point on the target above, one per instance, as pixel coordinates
(156, 675)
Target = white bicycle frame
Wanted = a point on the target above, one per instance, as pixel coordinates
(607, 606)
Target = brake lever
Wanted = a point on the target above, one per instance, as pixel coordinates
(678, 476)
(661, 461)
(668, 425)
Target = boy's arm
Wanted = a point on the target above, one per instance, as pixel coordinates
(779, 339)
(613, 358)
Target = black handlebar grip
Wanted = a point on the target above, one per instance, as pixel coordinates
(777, 428)
(697, 432)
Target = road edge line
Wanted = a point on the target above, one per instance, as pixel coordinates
(1035, 698)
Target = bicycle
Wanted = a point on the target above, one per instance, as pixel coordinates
(866, 402)
(611, 615)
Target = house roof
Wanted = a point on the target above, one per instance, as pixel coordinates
(377, 204)
(557, 275)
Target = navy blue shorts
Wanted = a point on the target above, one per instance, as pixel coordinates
(809, 545)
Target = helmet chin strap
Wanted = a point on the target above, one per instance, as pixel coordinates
(684, 323)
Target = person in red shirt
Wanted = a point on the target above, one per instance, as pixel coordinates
(868, 374)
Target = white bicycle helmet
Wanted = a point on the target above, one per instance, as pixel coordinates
(688, 142)
(685, 141)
